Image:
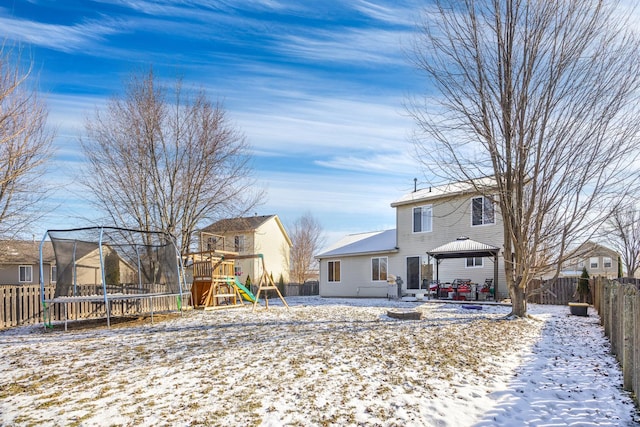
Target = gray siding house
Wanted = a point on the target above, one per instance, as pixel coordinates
(426, 219)
(20, 262)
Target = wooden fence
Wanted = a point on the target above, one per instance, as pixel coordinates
(21, 305)
(619, 308)
(556, 292)
(304, 289)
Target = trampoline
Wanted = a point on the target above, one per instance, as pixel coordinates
(100, 265)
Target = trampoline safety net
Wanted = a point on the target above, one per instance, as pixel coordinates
(114, 261)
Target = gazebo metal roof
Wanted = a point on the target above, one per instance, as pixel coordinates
(463, 247)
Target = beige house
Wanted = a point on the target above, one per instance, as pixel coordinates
(20, 262)
(428, 219)
(263, 235)
(599, 261)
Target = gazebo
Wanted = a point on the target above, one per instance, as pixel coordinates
(463, 247)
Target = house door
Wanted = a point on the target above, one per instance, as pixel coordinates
(413, 272)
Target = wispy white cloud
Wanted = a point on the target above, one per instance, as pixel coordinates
(64, 38)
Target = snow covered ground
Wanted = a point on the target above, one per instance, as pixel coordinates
(323, 362)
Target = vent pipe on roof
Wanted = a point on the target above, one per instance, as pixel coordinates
(415, 184)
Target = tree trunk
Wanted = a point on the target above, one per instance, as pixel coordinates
(518, 296)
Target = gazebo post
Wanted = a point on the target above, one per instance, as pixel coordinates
(495, 276)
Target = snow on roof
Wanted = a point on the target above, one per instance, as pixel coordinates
(362, 243)
(445, 190)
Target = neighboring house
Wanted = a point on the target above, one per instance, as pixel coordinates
(88, 270)
(426, 220)
(20, 262)
(599, 261)
(251, 235)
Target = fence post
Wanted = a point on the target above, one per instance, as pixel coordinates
(606, 310)
(636, 346)
(628, 295)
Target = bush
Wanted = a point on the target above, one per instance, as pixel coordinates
(583, 285)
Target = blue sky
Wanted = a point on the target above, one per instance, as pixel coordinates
(317, 88)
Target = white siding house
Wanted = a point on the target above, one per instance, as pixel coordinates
(425, 219)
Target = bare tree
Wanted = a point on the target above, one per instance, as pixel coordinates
(623, 234)
(542, 98)
(307, 237)
(166, 160)
(25, 145)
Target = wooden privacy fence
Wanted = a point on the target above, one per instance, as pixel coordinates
(304, 289)
(619, 308)
(21, 304)
(555, 292)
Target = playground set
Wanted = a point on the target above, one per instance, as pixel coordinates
(216, 286)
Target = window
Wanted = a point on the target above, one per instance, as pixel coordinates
(212, 243)
(26, 274)
(422, 219)
(581, 264)
(54, 274)
(606, 262)
(238, 243)
(474, 262)
(593, 262)
(334, 271)
(379, 269)
(482, 212)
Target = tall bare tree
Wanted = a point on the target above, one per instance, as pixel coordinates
(166, 159)
(542, 98)
(307, 237)
(25, 145)
(623, 234)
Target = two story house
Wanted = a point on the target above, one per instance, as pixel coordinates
(442, 233)
(598, 259)
(259, 234)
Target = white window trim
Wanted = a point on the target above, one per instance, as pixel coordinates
(484, 224)
(591, 262)
(413, 221)
(607, 260)
(30, 268)
(474, 265)
(53, 277)
(386, 270)
(340, 269)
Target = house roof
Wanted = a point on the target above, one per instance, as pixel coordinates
(446, 190)
(245, 225)
(363, 243)
(227, 225)
(463, 247)
(25, 252)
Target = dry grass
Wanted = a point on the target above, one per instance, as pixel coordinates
(315, 364)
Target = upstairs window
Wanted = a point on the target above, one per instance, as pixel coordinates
(606, 262)
(422, 219)
(54, 273)
(593, 262)
(482, 211)
(238, 243)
